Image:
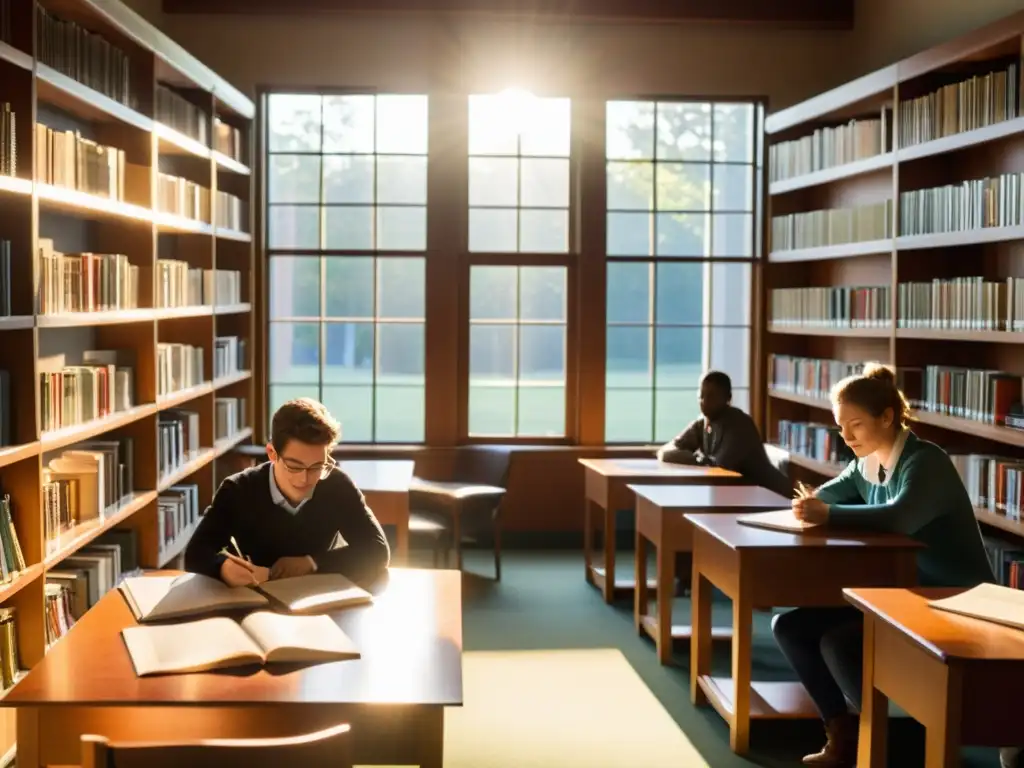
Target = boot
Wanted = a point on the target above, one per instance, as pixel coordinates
(840, 750)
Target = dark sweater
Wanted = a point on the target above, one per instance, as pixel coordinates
(244, 508)
(732, 442)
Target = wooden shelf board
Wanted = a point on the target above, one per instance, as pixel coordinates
(80, 204)
(176, 313)
(993, 432)
(84, 533)
(231, 378)
(15, 185)
(833, 174)
(825, 252)
(16, 322)
(81, 100)
(174, 399)
(823, 468)
(950, 334)
(792, 397)
(872, 85)
(768, 700)
(169, 222)
(225, 163)
(11, 454)
(954, 239)
(963, 140)
(228, 444)
(205, 456)
(14, 56)
(996, 520)
(232, 309)
(19, 582)
(61, 438)
(88, 319)
(233, 234)
(174, 142)
(813, 330)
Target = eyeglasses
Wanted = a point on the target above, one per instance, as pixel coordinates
(316, 470)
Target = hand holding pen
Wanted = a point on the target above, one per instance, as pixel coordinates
(807, 506)
(238, 570)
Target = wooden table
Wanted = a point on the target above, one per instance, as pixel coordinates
(955, 675)
(758, 568)
(606, 487)
(660, 521)
(394, 696)
(385, 484)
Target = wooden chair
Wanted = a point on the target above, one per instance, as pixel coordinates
(329, 748)
(465, 507)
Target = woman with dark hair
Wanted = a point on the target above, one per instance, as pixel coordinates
(897, 483)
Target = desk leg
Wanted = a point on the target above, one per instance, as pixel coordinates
(609, 555)
(742, 619)
(700, 633)
(588, 539)
(942, 737)
(666, 589)
(874, 715)
(27, 730)
(432, 738)
(641, 598)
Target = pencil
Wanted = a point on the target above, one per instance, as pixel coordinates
(803, 490)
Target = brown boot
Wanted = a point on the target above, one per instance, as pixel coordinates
(840, 750)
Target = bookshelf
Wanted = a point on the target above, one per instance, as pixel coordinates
(897, 235)
(126, 322)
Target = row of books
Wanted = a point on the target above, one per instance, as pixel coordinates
(10, 659)
(964, 303)
(832, 226)
(178, 366)
(1007, 561)
(175, 111)
(8, 141)
(100, 385)
(227, 139)
(992, 482)
(84, 56)
(5, 278)
(182, 197)
(226, 286)
(229, 212)
(229, 417)
(821, 442)
(12, 557)
(837, 306)
(84, 282)
(67, 159)
(994, 201)
(808, 376)
(177, 440)
(228, 355)
(181, 285)
(831, 146)
(177, 511)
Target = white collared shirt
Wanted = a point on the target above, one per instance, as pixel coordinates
(870, 465)
(280, 499)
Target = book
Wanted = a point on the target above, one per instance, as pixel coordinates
(157, 598)
(988, 602)
(777, 520)
(219, 643)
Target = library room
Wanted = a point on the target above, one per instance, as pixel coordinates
(464, 384)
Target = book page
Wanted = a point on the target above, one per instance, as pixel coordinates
(299, 638)
(988, 602)
(190, 647)
(167, 597)
(315, 593)
(777, 520)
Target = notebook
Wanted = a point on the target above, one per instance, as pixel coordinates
(777, 520)
(988, 602)
(157, 598)
(218, 643)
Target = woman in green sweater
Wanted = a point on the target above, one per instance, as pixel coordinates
(898, 483)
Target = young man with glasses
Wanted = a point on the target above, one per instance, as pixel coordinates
(293, 515)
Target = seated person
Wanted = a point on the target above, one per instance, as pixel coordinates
(725, 437)
(292, 515)
(898, 483)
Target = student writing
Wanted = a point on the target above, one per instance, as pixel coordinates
(897, 483)
(295, 514)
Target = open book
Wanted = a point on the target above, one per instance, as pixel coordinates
(260, 638)
(777, 520)
(156, 598)
(988, 602)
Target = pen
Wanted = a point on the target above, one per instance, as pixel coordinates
(803, 490)
(238, 550)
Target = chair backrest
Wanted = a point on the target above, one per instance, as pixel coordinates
(483, 465)
(330, 748)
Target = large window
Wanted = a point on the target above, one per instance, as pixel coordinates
(681, 235)
(346, 229)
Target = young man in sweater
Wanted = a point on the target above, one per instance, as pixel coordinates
(293, 515)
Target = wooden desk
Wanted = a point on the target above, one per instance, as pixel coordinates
(605, 483)
(660, 521)
(955, 675)
(394, 696)
(758, 568)
(385, 484)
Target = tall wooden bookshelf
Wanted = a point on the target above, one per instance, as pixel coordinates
(144, 110)
(867, 151)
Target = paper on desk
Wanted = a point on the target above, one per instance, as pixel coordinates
(988, 602)
(777, 520)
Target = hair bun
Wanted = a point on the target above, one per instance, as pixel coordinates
(879, 372)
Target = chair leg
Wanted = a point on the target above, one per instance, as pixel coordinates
(497, 550)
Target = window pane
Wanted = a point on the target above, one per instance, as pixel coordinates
(293, 179)
(491, 132)
(492, 390)
(684, 131)
(293, 227)
(401, 229)
(631, 186)
(731, 293)
(543, 231)
(492, 408)
(348, 124)
(546, 129)
(402, 124)
(348, 228)
(679, 293)
(348, 179)
(741, 399)
(734, 132)
(542, 293)
(545, 183)
(683, 234)
(493, 230)
(674, 409)
(402, 180)
(349, 287)
(296, 287)
(730, 352)
(734, 187)
(628, 357)
(400, 414)
(683, 186)
(630, 234)
(353, 407)
(348, 353)
(541, 411)
(678, 357)
(282, 393)
(400, 354)
(629, 293)
(401, 285)
(493, 293)
(294, 353)
(493, 181)
(293, 122)
(629, 414)
(542, 354)
(733, 234)
(630, 130)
